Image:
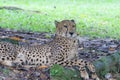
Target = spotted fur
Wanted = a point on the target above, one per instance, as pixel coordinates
(62, 50)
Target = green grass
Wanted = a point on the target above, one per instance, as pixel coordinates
(94, 18)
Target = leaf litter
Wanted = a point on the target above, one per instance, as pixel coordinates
(89, 49)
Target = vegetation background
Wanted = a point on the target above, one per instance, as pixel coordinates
(94, 18)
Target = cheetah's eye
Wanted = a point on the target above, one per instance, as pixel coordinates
(65, 26)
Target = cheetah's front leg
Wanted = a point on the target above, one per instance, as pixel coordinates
(81, 64)
(91, 68)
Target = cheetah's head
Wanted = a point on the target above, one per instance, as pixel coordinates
(66, 28)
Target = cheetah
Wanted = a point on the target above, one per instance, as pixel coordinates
(62, 50)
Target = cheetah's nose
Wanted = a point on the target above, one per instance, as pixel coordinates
(71, 33)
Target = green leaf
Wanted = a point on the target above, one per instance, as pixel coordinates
(56, 70)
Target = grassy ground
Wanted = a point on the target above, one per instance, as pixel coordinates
(94, 18)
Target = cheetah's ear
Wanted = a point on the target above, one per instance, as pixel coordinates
(72, 20)
(56, 23)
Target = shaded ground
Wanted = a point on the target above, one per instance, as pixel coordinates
(89, 49)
